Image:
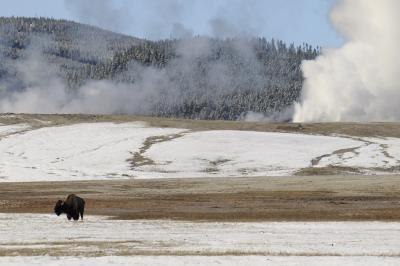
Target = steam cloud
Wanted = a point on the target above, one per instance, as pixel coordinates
(41, 89)
(361, 80)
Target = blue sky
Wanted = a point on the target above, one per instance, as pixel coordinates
(295, 21)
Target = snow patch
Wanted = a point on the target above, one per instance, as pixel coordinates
(375, 153)
(201, 260)
(74, 152)
(6, 130)
(239, 153)
(116, 237)
(95, 151)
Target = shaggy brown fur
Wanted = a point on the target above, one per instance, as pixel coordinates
(73, 206)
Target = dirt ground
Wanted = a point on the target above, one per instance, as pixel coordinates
(350, 129)
(317, 198)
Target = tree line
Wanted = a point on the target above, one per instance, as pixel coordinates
(208, 78)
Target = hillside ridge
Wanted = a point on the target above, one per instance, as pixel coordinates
(196, 78)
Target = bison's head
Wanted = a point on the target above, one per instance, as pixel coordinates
(58, 209)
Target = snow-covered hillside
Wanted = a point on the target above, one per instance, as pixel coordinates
(135, 150)
(237, 153)
(6, 130)
(82, 151)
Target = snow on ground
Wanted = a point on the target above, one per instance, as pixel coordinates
(49, 234)
(104, 150)
(201, 260)
(164, 242)
(81, 151)
(6, 130)
(374, 153)
(240, 153)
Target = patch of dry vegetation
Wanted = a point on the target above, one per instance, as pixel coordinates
(351, 129)
(98, 249)
(320, 198)
(328, 170)
(139, 159)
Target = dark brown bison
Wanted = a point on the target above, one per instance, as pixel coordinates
(73, 206)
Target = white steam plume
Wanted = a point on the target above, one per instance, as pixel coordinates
(361, 80)
(39, 87)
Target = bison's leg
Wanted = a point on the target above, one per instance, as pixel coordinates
(69, 217)
(76, 216)
(82, 215)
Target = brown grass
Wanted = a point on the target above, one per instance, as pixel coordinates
(328, 198)
(139, 159)
(109, 248)
(328, 170)
(351, 129)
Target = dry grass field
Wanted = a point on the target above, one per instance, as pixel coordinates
(316, 198)
(350, 129)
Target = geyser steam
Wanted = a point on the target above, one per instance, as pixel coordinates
(361, 80)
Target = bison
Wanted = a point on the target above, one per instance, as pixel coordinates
(73, 206)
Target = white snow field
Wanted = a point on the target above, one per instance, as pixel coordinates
(73, 152)
(241, 153)
(294, 243)
(373, 153)
(201, 260)
(95, 151)
(6, 130)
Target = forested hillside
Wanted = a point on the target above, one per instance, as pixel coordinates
(198, 78)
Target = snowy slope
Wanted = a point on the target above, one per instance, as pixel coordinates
(109, 150)
(237, 153)
(82, 151)
(6, 130)
(373, 153)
